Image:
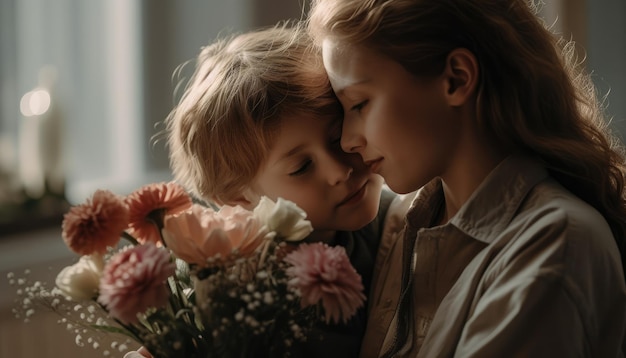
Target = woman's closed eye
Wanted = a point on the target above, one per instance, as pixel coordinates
(302, 169)
(359, 106)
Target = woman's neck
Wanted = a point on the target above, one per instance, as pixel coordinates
(473, 163)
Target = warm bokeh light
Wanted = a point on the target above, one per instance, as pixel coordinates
(35, 102)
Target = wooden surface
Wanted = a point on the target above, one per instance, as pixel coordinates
(45, 254)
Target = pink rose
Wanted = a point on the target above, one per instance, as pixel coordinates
(135, 280)
(323, 274)
(199, 234)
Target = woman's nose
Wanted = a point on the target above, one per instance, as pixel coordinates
(351, 139)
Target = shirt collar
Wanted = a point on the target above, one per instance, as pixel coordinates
(491, 207)
(494, 203)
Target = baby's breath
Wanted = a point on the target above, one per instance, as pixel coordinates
(80, 319)
(261, 305)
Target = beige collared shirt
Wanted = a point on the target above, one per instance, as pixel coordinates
(524, 269)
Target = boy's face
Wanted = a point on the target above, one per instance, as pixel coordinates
(306, 165)
(400, 124)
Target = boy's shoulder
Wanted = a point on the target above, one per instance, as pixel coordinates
(388, 199)
(387, 196)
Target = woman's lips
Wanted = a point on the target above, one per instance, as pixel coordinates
(374, 165)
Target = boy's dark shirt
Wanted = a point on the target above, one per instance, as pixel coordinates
(344, 340)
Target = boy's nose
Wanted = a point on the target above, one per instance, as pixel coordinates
(338, 171)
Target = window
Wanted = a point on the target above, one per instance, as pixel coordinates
(112, 63)
(107, 67)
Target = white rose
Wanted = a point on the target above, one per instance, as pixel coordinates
(284, 217)
(81, 280)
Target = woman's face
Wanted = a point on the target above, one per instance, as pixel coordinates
(306, 165)
(400, 124)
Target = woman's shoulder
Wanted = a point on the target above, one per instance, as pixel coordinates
(550, 204)
(562, 230)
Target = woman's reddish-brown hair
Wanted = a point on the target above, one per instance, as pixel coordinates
(533, 96)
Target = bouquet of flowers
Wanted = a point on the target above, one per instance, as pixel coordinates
(185, 280)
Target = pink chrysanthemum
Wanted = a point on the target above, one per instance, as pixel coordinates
(135, 280)
(98, 223)
(149, 204)
(324, 273)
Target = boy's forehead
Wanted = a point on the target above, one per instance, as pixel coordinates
(299, 130)
(294, 120)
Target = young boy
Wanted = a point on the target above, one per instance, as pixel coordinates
(259, 118)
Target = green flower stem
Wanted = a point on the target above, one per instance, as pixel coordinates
(180, 305)
(129, 329)
(157, 217)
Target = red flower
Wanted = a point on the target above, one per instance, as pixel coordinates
(323, 274)
(149, 204)
(98, 223)
(135, 280)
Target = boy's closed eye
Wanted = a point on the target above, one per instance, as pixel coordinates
(302, 169)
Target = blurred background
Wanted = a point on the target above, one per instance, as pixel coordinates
(85, 86)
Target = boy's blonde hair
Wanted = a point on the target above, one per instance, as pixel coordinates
(533, 95)
(243, 86)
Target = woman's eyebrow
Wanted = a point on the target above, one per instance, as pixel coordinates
(347, 86)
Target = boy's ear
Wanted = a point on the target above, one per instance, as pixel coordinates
(461, 75)
(248, 199)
